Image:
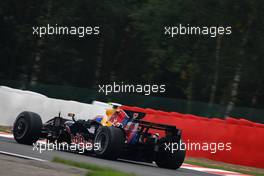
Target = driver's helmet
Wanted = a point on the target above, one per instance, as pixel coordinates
(109, 112)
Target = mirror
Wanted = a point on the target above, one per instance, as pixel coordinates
(72, 115)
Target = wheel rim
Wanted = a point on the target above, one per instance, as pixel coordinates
(102, 140)
(20, 128)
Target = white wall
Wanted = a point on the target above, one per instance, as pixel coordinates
(14, 101)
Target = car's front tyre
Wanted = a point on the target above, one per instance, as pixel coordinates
(27, 128)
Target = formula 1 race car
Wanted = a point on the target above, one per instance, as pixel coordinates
(121, 134)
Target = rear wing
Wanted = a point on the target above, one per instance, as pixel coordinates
(137, 117)
(156, 125)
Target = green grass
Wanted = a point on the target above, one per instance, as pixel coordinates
(224, 167)
(93, 170)
(5, 129)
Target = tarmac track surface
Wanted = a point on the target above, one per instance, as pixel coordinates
(140, 169)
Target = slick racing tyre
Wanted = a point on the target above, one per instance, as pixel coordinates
(169, 160)
(27, 128)
(110, 141)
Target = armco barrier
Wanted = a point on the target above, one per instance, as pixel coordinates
(14, 101)
(246, 138)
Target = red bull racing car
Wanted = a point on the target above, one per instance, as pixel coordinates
(120, 134)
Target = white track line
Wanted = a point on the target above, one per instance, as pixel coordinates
(6, 135)
(22, 156)
(213, 171)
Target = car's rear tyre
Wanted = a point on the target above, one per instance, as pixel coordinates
(110, 141)
(169, 160)
(27, 128)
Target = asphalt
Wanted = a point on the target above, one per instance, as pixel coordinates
(13, 166)
(140, 169)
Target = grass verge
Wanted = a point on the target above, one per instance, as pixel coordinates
(6, 129)
(224, 166)
(93, 170)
